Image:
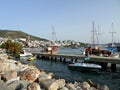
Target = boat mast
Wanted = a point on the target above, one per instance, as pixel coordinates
(112, 34)
(99, 33)
(53, 34)
(93, 32)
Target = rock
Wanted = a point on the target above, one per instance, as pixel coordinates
(9, 75)
(3, 86)
(44, 77)
(18, 85)
(104, 87)
(1, 67)
(61, 83)
(34, 86)
(93, 88)
(90, 82)
(12, 80)
(42, 71)
(10, 57)
(29, 75)
(71, 86)
(7, 65)
(64, 88)
(51, 74)
(50, 84)
(85, 86)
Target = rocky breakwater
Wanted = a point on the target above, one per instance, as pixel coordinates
(17, 76)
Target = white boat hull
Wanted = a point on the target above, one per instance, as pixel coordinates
(26, 52)
(85, 66)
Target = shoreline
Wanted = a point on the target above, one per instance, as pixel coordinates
(18, 76)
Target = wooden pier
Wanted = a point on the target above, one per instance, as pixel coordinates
(93, 59)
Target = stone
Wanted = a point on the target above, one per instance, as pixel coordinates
(1, 67)
(12, 80)
(3, 86)
(29, 75)
(9, 75)
(50, 84)
(85, 86)
(103, 87)
(61, 83)
(18, 85)
(42, 71)
(93, 88)
(90, 82)
(34, 86)
(44, 77)
(71, 86)
(64, 88)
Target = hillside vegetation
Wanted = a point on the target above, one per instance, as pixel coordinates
(18, 34)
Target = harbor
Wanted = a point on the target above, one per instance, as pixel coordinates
(62, 70)
(60, 45)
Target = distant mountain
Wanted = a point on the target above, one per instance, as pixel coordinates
(18, 34)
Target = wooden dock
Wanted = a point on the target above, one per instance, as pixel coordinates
(81, 57)
(93, 59)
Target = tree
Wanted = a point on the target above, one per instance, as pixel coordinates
(13, 48)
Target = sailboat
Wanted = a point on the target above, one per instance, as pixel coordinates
(101, 51)
(113, 48)
(52, 48)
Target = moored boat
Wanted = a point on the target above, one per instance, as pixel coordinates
(84, 66)
(102, 52)
(52, 49)
(26, 52)
(32, 58)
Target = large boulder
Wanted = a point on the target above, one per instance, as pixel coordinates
(50, 84)
(18, 85)
(9, 75)
(29, 75)
(43, 77)
(3, 86)
(7, 65)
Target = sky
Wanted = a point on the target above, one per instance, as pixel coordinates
(71, 19)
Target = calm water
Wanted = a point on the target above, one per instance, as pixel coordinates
(61, 70)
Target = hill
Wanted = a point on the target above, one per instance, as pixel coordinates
(18, 34)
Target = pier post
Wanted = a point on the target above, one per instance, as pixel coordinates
(71, 59)
(64, 60)
(113, 67)
(75, 60)
(60, 59)
(55, 59)
(104, 66)
(51, 58)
